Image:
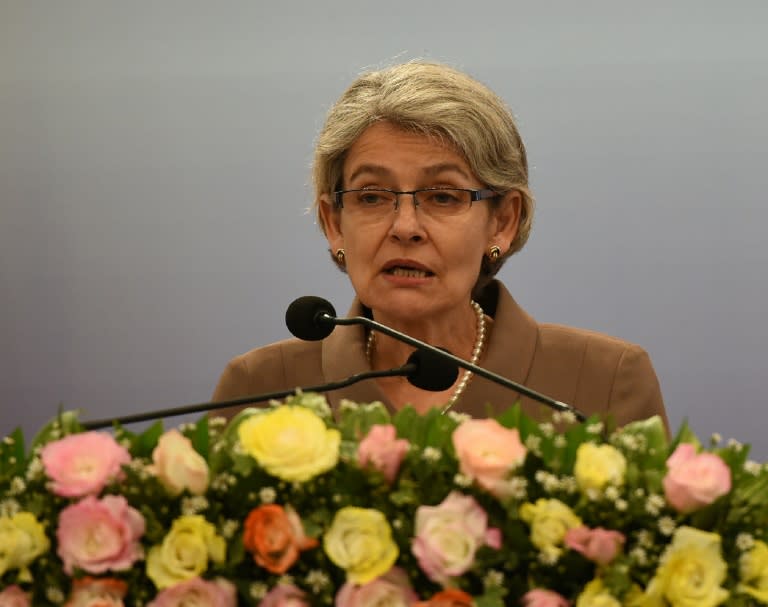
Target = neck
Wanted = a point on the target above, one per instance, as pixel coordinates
(400, 393)
(456, 333)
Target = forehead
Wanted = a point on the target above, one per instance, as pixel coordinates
(386, 150)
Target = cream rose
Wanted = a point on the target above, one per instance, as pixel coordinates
(290, 442)
(178, 466)
(598, 466)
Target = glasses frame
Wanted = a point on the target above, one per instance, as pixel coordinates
(474, 195)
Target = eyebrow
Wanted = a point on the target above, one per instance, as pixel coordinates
(430, 171)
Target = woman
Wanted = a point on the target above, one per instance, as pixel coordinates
(421, 184)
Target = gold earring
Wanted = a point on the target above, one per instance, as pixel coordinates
(493, 254)
(340, 257)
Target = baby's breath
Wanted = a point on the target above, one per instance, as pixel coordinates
(229, 528)
(547, 429)
(35, 469)
(9, 507)
(18, 486)
(459, 418)
(431, 454)
(54, 594)
(317, 580)
(267, 495)
(595, 428)
(533, 443)
(667, 525)
(654, 504)
(745, 541)
(462, 480)
(194, 504)
(493, 579)
(258, 590)
(639, 555)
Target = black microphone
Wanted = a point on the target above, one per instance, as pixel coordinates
(312, 316)
(421, 369)
(308, 318)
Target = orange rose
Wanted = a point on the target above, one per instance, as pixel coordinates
(448, 598)
(275, 536)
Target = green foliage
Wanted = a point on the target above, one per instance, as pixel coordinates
(551, 472)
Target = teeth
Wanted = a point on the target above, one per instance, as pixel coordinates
(409, 272)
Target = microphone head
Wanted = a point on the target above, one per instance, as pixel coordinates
(433, 372)
(304, 318)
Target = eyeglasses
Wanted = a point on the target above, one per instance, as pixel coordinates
(434, 202)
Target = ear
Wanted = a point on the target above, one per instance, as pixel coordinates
(330, 220)
(505, 221)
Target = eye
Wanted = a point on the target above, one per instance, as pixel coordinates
(447, 197)
(371, 197)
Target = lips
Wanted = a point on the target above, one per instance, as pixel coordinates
(406, 268)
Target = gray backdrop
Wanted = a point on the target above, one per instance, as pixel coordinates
(154, 180)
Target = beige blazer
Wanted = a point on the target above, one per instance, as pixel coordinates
(593, 372)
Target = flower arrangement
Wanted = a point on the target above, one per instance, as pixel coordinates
(290, 506)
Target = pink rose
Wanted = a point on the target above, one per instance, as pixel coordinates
(13, 596)
(383, 450)
(695, 480)
(285, 595)
(100, 535)
(449, 534)
(178, 466)
(544, 598)
(598, 545)
(92, 592)
(488, 452)
(82, 464)
(198, 592)
(392, 589)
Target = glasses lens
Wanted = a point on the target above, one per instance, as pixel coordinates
(368, 203)
(443, 202)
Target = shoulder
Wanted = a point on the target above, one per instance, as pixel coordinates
(270, 367)
(556, 337)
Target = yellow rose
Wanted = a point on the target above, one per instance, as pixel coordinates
(595, 594)
(360, 542)
(22, 540)
(598, 466)
(290, 442)
(753, 568)
(690, 571)
(185, 551)
(549, 521)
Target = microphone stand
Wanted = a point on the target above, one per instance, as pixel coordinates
(324, 317)
(406, 369)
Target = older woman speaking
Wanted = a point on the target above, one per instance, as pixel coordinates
(421, 185)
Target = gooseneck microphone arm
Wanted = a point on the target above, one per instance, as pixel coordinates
(324, 318)
(413, 369)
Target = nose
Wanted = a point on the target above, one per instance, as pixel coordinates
(406, 220)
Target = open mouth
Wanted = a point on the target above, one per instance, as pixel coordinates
(408, 272)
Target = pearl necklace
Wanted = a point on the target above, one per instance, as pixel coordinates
(477, 350)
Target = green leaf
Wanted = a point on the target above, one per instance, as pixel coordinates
(12, 455)
(200, 436)
(65, 423)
